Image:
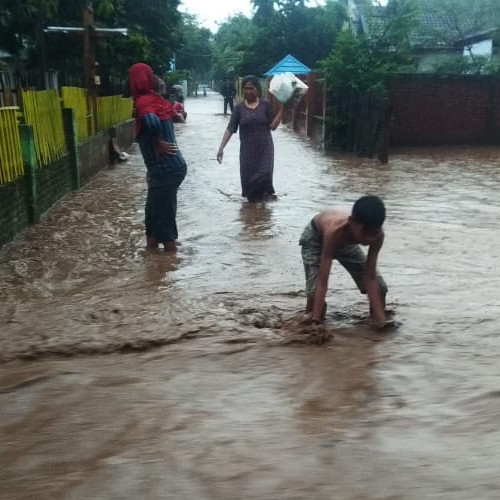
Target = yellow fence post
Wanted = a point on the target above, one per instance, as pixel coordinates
(112, 110)
(42, 110)
(11, 160)
(76, 98)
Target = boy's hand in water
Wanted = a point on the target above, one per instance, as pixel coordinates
(313, 332)
(164, 148)
(220, 154)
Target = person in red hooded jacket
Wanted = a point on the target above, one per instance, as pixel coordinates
(166, 168)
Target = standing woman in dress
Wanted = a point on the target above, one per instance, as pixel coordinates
(164, 162)
(255, 119)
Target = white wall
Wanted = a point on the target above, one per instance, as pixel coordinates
(483, 48)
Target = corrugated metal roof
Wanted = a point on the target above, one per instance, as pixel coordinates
(433, 28)
(289, 64)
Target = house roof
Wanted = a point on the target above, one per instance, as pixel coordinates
(289, 64)
(372, 19)
(433, 28)
(437, 29)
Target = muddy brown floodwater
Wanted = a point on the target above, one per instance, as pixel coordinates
(129, 376)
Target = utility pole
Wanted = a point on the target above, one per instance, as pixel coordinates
(42, 64)
(89, 64)
(90, 34)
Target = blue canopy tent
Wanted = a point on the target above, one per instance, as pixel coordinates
(289, 64)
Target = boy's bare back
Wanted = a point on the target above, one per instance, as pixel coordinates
(333, 222)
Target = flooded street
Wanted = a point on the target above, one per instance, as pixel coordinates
(125, 375)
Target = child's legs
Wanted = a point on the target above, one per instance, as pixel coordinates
(311, 269)
(353, 260)
(311, 245)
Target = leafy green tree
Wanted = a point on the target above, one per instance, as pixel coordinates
(194, 55)
(234, 47)
(160, 22)
(357, 68)
(277, 28)
(309, 32)
(154, 32)
(264, 11)
(479, 65)
(362, 63)
(19, 20)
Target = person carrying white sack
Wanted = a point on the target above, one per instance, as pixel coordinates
(255, 118)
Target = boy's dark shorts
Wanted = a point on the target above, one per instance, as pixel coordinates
(351, 257)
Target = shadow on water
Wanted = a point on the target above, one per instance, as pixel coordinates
(222, 390)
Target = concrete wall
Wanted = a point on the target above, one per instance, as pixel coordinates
(95, 152)
(17, 203)
(125, 134)
(433, 110)
(14, 209)
(53, 182)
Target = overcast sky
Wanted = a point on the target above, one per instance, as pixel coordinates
(211, 12)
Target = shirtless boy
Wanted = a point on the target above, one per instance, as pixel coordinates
(334, 234)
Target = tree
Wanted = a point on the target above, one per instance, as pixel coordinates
(18, 20)
(361, 62)
(309, 32)
(264, 11)
(154, 31)
(195, 52)
(356, 72)
(234, 47)
(277, 29)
